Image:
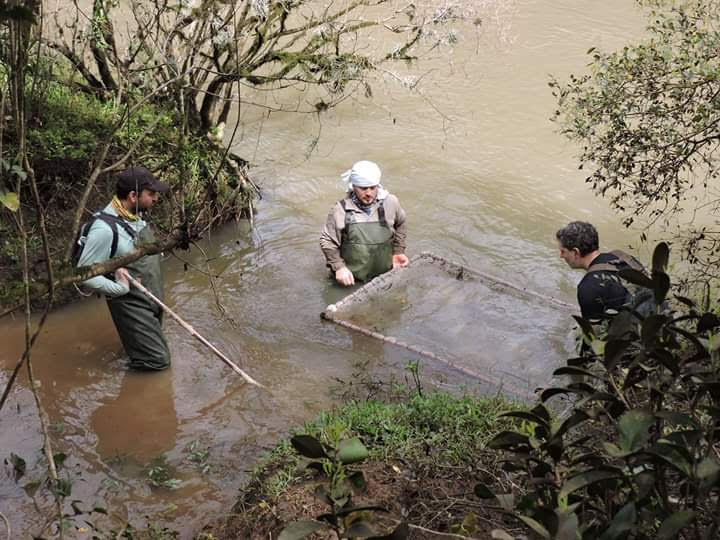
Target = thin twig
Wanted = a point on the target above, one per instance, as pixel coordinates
(7, 525)
(221, 308)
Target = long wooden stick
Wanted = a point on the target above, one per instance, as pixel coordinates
(192, 331)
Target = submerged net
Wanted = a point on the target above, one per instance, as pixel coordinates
(500, 334)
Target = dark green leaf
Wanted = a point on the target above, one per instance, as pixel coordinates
(541, 411)
(684, 300)
(660, 257)
(636, 277)
(708, 472)
(484, 492)
(651, 326)
(585, 326)
(31, 487)
(551, 392)
(667, 359)
(308, 446)
(577, 417)
(100, 510)
(535, 526)
(675, 523)
(567, 526)
(351, 451)
(507, 439)
(614, 349)
(622, 325)
(523, 415)
(671, 455)
(62, 488)
(661, 287)
(18, 464)
(567, 370)
(621, 523)
(633, 427)
(59, 458)
(300, 529)
(586, 479)
(598, 396)
(707, 321)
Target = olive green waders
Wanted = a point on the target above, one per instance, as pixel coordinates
(367, 246)
(137, 318)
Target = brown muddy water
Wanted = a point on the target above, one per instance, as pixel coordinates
(486, 181)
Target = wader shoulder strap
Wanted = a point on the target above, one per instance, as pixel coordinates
(349, 218)
(113, 221)
(381, 214)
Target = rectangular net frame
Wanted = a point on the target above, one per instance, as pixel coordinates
(448, 277)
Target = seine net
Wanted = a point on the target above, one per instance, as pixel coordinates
(498, 333)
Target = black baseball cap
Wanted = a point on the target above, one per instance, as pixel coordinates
(139, 178)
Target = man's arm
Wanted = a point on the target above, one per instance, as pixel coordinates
(331, 240)
(399, 245)
(96, 250)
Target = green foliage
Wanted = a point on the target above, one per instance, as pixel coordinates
(454, 427)
(199, 456)
(9, 199)
(331, 458)
(646, 118)
(70, 126)
(161, 475)
(636, 455)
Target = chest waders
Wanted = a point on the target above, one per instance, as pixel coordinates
(137, 318)
(366, 246)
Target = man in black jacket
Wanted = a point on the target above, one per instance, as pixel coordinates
(601, 288)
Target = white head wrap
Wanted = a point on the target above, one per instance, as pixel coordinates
(364, 174)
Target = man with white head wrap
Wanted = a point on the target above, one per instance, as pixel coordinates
(364, 235)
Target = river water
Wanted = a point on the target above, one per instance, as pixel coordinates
(486, 181)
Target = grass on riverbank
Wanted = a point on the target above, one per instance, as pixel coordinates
(426, 455)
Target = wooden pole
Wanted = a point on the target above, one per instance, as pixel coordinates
(192, 331)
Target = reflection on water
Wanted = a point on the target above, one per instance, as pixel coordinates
(139, 422)
(485, 181)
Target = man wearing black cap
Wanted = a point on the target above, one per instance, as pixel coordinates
(115, 232)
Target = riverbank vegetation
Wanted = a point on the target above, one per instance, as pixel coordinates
(645, 118)
(425, 453)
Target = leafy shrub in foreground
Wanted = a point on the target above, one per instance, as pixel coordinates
(637, 454)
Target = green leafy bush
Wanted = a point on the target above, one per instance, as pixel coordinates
(637, 454)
